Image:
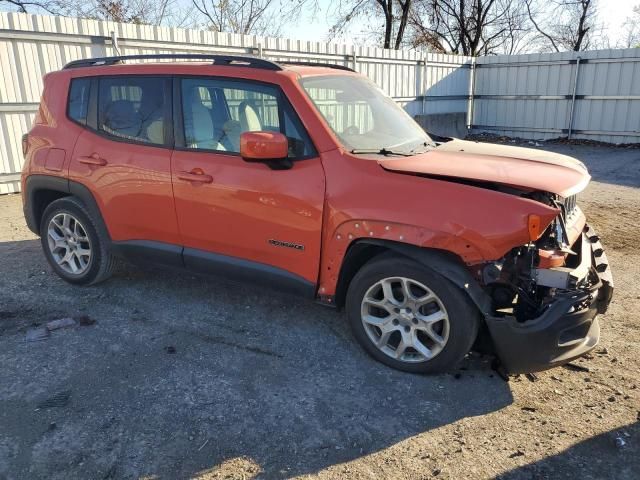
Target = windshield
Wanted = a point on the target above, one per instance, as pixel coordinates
(362, 116)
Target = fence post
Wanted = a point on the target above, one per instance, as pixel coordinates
(114, 44)
(573, 98)
(355, 59)
(423, 85)
(472, 87)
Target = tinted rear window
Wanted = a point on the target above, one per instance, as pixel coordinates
(132, 108)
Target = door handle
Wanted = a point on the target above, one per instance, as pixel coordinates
(195, 175)
(93, 159)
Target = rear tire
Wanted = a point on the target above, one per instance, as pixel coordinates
(409, 317)
(74, 245)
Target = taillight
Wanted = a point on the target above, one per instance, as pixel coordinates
(25, 144)
(535, 227)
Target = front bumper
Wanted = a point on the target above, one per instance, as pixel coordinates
(569, 327)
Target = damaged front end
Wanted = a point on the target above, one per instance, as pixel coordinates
(546, 295)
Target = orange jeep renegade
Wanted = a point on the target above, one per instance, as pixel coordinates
(309, 179)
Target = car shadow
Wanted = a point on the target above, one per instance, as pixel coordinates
(185, 375)
(591, 458)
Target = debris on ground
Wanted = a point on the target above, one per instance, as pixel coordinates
(577, 368)
(43, 332)
(60, 399)
(61, 323)
(493, 138)
(497, 367)
(84, 320)
(37, 334)
(170, 349)
(620, 442)
(532, 377)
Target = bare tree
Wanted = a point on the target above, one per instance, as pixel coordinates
(469, 27)
(53, 7)
(631, 30)
(565, 24)
(260, 17)
(152, 12)
(395, 14)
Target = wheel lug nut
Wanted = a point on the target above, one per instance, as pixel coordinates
(415, 321)
(395, 321)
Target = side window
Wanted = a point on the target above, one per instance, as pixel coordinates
(78, 101)
(216, 112)
(132, 108)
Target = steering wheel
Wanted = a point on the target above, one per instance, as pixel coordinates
(351, 130)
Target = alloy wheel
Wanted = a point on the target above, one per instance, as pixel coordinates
(69, 243)
(405, 319)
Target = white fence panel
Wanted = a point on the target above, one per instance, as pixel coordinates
(590, 95)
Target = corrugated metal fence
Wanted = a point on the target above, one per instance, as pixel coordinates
(594, 95)
(590, 95)
(32, 45)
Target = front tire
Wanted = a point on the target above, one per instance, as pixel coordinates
(73, 244)
(409, 317)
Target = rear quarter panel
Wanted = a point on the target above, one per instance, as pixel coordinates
(51, 130)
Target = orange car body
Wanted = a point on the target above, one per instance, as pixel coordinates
(477, 214)
(324, 204)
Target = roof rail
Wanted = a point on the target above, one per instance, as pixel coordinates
(234, 60)
(315, 64)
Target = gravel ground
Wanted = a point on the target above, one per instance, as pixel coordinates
(183, 376)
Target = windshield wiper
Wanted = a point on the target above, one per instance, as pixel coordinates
(380, 151)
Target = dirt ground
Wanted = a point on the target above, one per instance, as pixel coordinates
(183, 376)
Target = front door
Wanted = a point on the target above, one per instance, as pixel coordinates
(235, 215)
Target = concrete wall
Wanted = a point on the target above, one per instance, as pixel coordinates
(444, 124)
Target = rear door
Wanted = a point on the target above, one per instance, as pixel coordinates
(237, 215)
(124, 157)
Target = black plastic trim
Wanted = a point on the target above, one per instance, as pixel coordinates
(225, 60)
(241, 270)
(537, 345)
(84, 194)
(314, 64)
(148, 251)
(36, 183)
(33, 185)
(444, 263)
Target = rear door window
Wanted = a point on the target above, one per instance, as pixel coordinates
(132, 108)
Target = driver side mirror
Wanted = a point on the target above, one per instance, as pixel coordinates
(264, 146)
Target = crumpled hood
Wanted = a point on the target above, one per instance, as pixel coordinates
(515, 166)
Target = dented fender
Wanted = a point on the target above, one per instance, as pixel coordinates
(409, 240)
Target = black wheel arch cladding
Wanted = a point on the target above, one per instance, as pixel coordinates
(442, 262)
